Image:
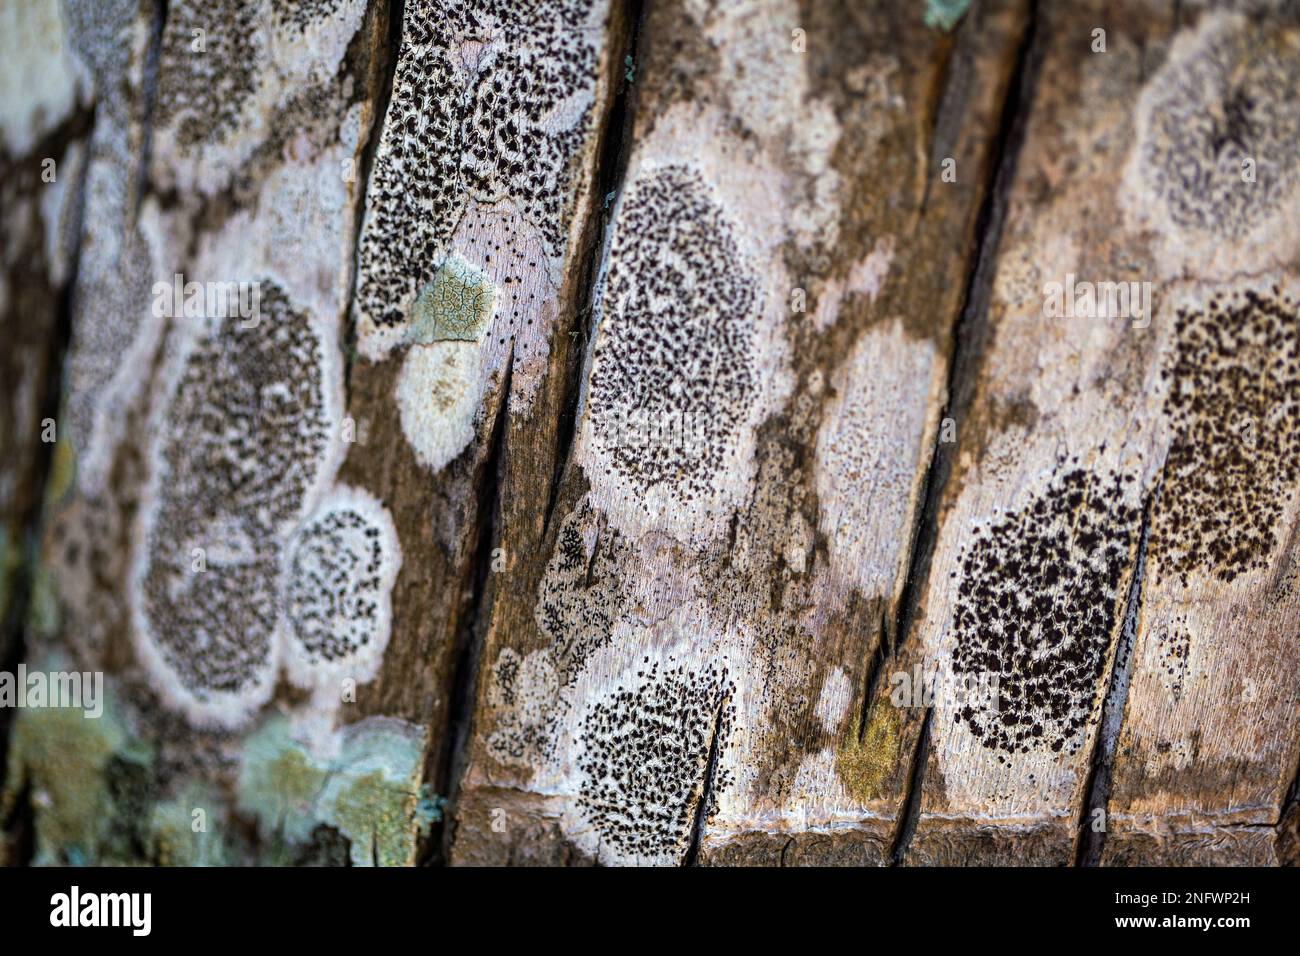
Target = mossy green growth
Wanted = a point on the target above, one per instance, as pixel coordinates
(43, 615)
(944, 14)
(864, 760)
(279, 783)
(184, 831)
(456, 305)
(88, 780)
(63, 469)
(369, 792)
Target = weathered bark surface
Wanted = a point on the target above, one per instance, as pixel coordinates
(639, 399)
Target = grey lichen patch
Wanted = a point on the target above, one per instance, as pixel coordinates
(582, 596)
(369, 792)
(525, 694)
(242, 443)
(1233, 381)
(337, 589)
(1218, 133)
(643, 755)
(1038, 608)
(491, 101)
(243, 84)
(457, 304)
(673, 378)
(304, 13)
(203, 91)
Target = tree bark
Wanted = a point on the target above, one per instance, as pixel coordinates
(595, 432)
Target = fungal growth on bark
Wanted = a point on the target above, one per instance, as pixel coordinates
(241, 446)
(303, 13)
(1038, 607)
(643, 755)
(1234, 393)
(338, 582)
(580, 598)
(672, 379)
(1218, 127)
(491, 103)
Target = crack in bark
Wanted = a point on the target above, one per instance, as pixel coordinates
(970, 338)
(391, 29)
(1090, 841)
(612, 151)
(706, 796)
(469, 650)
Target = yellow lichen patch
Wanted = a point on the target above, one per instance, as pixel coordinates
(863, 762)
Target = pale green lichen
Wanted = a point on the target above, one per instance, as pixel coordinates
(184, 831)
(63, 469)
(456, 305)
(43, 607)
(944, 14)
(87, 780)
(369, 793)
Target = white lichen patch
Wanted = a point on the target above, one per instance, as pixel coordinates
(1215, 168)
(868, 455)
(492, 104)
(865, 279)
(41, 77)
(339, 571)
(235, 75)
(438, 395)
(525, 693)
(768, 90)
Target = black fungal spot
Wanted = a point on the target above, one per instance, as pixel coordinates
(1173, 644)
(645, 751)
(1233, 99)
(479, 111)
(675, 354)
(1234, 395)
(1038, 607)
(244, 435)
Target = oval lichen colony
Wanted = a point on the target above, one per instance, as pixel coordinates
(1214, 165)
(240, 452)
(337, 589)
(644, 750)
(673, 379)
(1038, 609)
